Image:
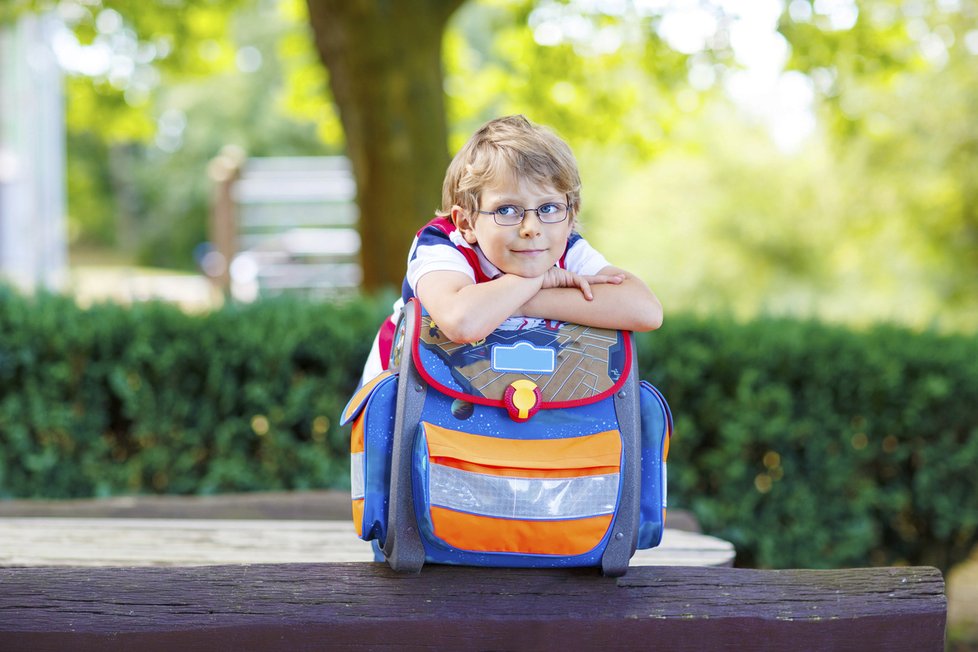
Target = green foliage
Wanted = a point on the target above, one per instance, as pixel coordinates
(307, 96)
(773, 250)
(875, 217)
(115, 400)
(596, 74)
(805, 444)
(897, 93)
(136, 44)
(816, 446)
(90, 188)
(137, 161)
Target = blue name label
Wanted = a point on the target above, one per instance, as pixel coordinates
(524, 358)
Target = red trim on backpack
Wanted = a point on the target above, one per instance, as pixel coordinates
(482, 400)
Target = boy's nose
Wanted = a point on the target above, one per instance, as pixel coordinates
(530, 226)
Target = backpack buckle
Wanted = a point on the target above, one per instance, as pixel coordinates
(522, 400)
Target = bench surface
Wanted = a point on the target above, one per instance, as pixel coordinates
(347, 606)
(198, 542)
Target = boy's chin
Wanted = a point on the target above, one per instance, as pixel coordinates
(524, 273)
(527, 271)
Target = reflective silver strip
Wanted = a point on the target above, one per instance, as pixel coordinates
(357, 489)
(522, 498)
(665, 486)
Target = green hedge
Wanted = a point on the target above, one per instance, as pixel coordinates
(817, 446)
(804, 444)
(114, 400)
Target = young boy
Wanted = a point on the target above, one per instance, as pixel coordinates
(504, 244)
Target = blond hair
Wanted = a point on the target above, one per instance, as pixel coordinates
(515, 146)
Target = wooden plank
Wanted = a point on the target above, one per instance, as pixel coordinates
(367, 606)
(295, 505)
(310, 505)
(268, 217)
(185, 542)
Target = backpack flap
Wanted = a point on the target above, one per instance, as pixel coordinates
(526, 365)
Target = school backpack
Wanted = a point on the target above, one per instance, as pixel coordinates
(536, 447)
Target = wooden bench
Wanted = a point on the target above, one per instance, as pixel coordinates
(198, 542)
(284, 224)
(213, 583)
(348, 606)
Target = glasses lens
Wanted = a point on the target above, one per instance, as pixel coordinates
(552, 212)
(509, 215)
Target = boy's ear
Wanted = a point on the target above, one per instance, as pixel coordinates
(464, 223)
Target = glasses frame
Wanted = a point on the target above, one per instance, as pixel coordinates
(523, 211)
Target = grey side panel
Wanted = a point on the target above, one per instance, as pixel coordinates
(403, 547)
(624, 535)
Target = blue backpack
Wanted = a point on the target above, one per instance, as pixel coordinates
(536, 447)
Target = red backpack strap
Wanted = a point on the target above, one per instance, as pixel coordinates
(446, 226)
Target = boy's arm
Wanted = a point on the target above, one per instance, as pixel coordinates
(628, 305)
(465, 311)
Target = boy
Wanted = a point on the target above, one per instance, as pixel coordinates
(504, 244)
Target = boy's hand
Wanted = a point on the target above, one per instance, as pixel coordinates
(556, 277)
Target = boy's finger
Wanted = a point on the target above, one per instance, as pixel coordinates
(586, 289)
(604, 278)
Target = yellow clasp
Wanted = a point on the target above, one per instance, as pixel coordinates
(522, 399)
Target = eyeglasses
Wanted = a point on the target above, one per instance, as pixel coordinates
(509, 215)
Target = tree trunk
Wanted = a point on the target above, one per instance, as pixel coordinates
(385, 70)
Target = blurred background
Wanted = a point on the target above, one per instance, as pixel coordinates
(809, 158)
(796, 179)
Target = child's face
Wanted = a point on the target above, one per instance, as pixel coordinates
(528, 249)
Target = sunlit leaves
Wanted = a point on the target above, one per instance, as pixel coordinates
(124, 50)
(873, 213)
(179, 80)
(306, 94)
(595, 73)
(97, 105)
(898, 91)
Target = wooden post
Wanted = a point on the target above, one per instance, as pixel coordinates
(223, 170)
(346, 606)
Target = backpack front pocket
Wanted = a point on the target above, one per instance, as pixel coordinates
(524, 496)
